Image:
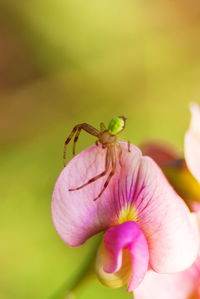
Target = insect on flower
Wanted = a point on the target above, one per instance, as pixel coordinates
(107, 137)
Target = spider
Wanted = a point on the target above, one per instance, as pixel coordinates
(107, 137)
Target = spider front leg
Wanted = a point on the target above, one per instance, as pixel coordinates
(89, 129)
(95, 178)
(113, 160)
(75, 140)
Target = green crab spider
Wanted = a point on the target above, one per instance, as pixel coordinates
(107, 137)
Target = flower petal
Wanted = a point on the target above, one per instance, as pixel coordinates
(116, 279)
(182, 285)
(192, 142)
(165, 220)
(138, 186)
(126, 236)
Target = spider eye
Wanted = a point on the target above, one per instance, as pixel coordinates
(116, 125)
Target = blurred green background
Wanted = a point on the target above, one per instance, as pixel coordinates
(64, 62)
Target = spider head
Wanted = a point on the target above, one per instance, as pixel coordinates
(117, 125)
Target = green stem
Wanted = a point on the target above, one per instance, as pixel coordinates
(66, 291)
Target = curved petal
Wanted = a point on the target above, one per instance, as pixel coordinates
(116, 279)
(165, 220)
(133, 264)
(192, 142)
(183, 285)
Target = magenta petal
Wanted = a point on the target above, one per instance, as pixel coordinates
(127, 236)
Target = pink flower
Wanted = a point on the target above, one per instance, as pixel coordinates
(146, 224)
(192, 142)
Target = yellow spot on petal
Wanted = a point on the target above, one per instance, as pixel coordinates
(128, 213)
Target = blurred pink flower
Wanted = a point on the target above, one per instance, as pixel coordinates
(146, 224)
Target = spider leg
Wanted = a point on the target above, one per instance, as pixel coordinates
(76, 139)
(67, 141)
(89, 129)
(95, 178)
(120, 153)
(113, 159)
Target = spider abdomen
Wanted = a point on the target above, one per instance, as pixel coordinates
(116, 125)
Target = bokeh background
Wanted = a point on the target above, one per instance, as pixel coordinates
(63, 62)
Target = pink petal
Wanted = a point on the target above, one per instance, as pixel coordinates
(140, 185)
(165, 220)
(181, 285)
(126, 236)
(192, 142)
